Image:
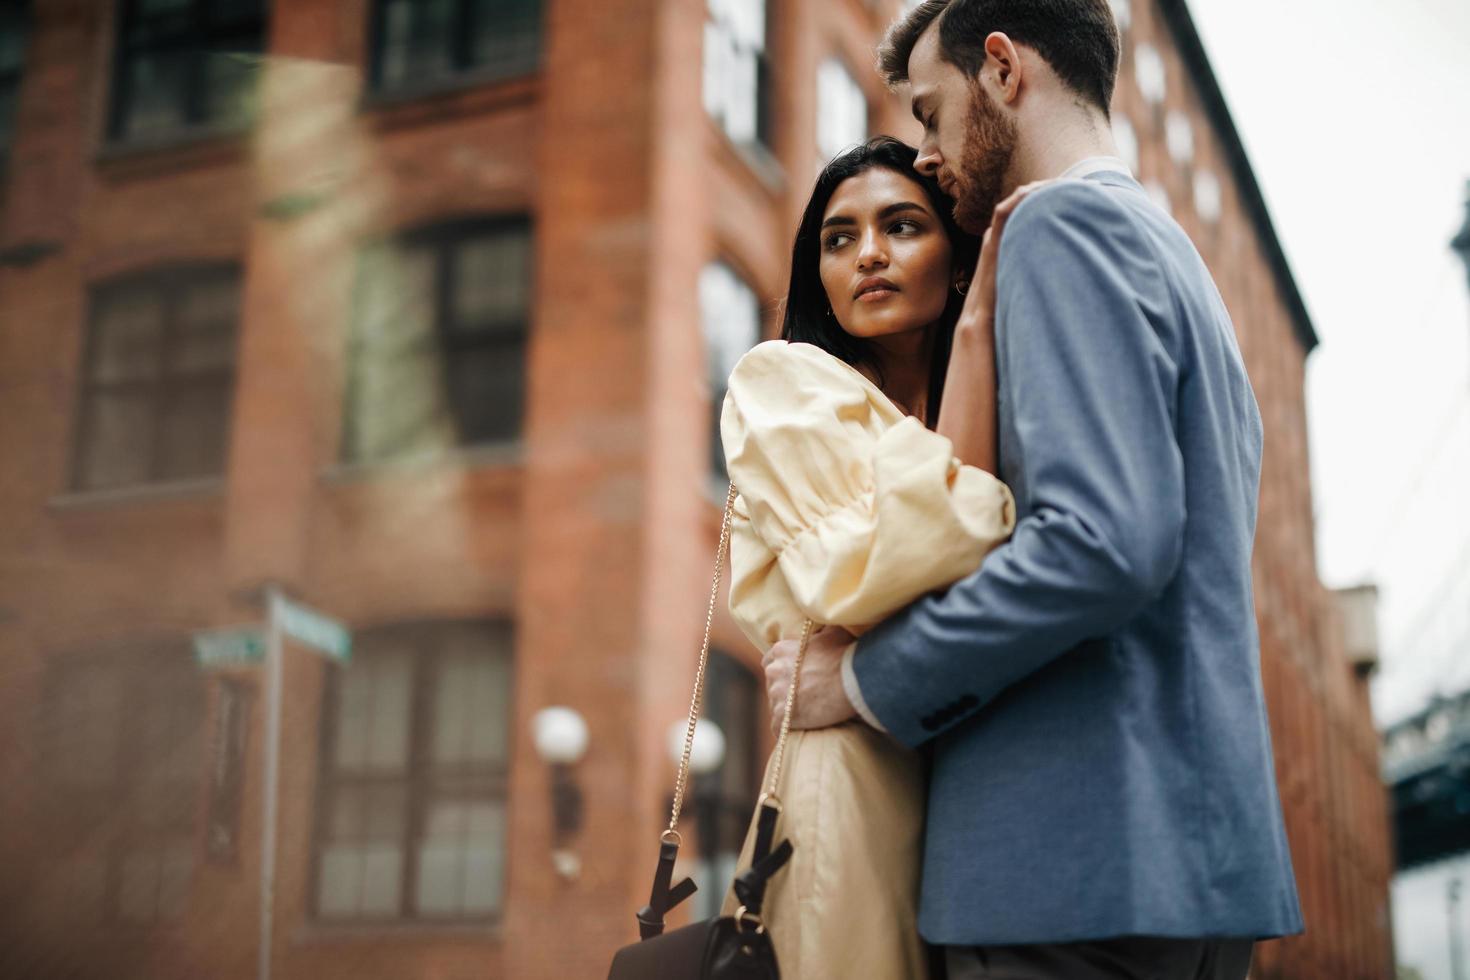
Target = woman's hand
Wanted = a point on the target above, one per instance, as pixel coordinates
(979, 309)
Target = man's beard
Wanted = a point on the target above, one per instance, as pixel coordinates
(990, 143)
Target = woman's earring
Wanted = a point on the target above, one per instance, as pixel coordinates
(962, 287)
(830, 313)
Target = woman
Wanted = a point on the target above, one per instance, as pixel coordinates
(848, 508)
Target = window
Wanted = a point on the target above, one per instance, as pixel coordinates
(842, 110)
(1148, 71)
(1179, 137)
(1122, 14)
(13, 28)
(158, 378)
(1207, 195)
(439, 342)
(1126, 139)
(736, 86)
(125, 743)
(732, 326)
(420, 42)
(185, 64)
(724, 800)
(411, 807)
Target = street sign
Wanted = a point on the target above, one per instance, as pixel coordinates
(230, 647)
(310, 628)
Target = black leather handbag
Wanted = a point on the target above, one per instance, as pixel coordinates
(729, 947)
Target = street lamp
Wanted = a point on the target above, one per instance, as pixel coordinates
(561, 740)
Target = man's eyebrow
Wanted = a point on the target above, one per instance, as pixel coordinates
(916, 103)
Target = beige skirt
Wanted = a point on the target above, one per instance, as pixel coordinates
(846, 904)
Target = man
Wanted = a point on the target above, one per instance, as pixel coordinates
(1103, 801)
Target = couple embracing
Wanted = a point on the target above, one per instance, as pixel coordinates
(1014, 482)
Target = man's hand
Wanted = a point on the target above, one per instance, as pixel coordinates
(821, 701)
(979, 307)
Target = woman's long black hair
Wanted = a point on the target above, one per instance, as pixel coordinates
(807, 318)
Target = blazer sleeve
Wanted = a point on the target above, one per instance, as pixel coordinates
(1092, 386)
(847, 509)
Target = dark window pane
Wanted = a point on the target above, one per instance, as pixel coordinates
(487, 388)
(118, 428)
(507, 34)
(193, 432)
(418, 37)
(234, 12)
(492, 281)
(7, 113)
(156, 85)
(154, 8)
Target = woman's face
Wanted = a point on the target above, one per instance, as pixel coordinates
(886, 260)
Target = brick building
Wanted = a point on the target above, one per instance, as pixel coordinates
(417, 311)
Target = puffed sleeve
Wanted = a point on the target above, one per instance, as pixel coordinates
(848, 509)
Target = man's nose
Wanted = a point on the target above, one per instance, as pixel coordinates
(928, 161)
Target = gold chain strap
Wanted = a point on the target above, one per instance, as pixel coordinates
(697, 701)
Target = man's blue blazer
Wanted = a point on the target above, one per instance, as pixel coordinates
(1102, 762)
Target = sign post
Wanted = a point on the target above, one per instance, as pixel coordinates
(330, 638)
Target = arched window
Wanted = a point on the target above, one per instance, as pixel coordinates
(412, 798)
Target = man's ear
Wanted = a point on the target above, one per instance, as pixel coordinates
(1003, 63)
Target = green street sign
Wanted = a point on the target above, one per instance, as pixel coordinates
(310, 628)
(233, 646)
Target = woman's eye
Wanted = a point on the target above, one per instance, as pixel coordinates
(905, 227)
(834, 242)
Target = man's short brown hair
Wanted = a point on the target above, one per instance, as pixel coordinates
(1077, 38)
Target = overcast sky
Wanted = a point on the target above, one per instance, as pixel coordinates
(1356, 116)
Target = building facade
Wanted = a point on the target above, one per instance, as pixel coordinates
(419, 312)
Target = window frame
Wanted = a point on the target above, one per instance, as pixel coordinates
(422, 786)
(122, 832)
(450, 336)
(195, 38)
(170, 284)
(763, 96)
(11, 80)
(463, 72)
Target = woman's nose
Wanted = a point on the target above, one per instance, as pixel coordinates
(871, 253)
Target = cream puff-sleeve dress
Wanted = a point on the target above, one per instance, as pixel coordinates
(847, 510)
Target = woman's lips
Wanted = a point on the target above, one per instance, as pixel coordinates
(877, 295)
